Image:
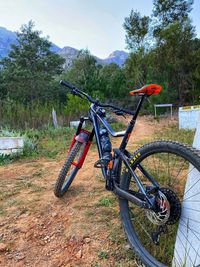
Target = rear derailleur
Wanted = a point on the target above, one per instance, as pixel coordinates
(162, 229)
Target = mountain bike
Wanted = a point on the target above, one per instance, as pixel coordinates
(150, 183)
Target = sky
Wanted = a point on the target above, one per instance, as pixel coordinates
(92, 24)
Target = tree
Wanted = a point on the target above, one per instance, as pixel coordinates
(171, 11)
(138, 32)
(84, 72)
(196, 70)
(137, 28)
(113, 81)
(171, 59)
(30, 67)
(174, 35)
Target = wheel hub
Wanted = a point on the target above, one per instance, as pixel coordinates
(175, 205)
(162, 214)
(168, 208)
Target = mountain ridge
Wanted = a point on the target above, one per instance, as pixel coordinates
(7, 38)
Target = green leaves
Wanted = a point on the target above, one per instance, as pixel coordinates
(137, 28)
(30, 67)
(172, 11)
(113, 81)
(171, 57)
(84, 72)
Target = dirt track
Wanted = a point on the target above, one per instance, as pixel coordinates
(82, 229)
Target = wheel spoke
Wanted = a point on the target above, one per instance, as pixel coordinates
(143, 228)
(192, 230)
(192, 186)
(185, 249)
(184, 200)
(171, 168)
(181, 264)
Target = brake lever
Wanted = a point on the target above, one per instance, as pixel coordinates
(74, 92)
(124, 116)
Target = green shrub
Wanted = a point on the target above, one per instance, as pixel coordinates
(47, 142)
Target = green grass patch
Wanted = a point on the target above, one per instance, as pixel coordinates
(119, 126)
(14, 202)
(46, 142)
(172, 132)
(7, 193)
(90, 213)
(106, 202)
(102, 254)
(2, 210)
(27, 184)
(38, 174)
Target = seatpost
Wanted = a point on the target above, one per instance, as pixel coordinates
(132, 124)
(139, 107)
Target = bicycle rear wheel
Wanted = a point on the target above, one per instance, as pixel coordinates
(154, 235)
(68, 171)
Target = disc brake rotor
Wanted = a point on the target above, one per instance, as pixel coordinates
(162, 214)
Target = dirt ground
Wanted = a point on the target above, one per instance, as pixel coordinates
(81, 229)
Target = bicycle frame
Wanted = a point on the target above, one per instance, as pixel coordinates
(97, 118)
(120, 155)
(131, 177)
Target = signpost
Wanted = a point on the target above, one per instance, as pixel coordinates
(162, 106)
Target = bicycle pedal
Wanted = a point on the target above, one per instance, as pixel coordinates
(101, 163)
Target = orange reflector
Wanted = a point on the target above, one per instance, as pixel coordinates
(110, 164)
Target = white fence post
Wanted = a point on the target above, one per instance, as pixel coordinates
(55, 122)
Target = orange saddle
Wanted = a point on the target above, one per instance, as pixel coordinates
(150, 89)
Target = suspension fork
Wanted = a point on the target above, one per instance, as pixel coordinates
(85, 137)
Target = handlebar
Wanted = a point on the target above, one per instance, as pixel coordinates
(67, 84)
(78, 92)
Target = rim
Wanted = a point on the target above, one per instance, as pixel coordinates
(71, 172)
(177, 242)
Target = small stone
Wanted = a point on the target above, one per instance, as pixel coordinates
(9, 256)
(127, 247)
(19, 256)
(28, 234)
(42, 243)
(87, 240)
(15, 230)
(47, 239)
(3, 247)
(79, 254)
(73, 238)
(54, 214)
(1, 235)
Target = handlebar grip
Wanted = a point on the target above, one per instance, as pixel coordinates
(67, 84)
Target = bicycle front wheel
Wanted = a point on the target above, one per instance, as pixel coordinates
(169, 235)
(68, 171)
